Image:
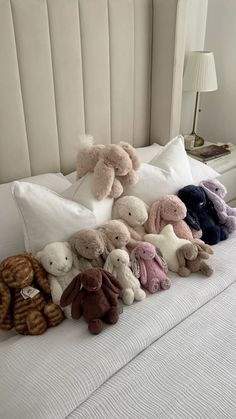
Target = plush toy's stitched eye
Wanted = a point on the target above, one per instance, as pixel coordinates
(144, 251)
(118, 260)
(86, 247)
(66, 258)
(216, 189)
(117, 237)
(50, 263)
(129, 213)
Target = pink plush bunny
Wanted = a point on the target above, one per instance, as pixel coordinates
(171, 210)
(149, 266)
(216, 192)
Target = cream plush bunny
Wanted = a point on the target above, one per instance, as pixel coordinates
(133, 212)
(57, 260)
(117, 264)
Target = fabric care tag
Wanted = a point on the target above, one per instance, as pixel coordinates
(120, 305)
(29, 292)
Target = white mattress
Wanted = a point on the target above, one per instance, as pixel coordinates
(52, 375)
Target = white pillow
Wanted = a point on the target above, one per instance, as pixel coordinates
(166, 174)
(48, 217)
(201, 171)
(11, 232)
(80, 192)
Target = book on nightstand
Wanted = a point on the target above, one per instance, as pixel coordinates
(208, 152)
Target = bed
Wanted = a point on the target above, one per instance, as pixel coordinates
(172, 355)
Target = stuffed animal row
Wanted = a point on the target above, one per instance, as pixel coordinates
(113, 165)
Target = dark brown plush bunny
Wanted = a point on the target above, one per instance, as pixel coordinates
(96, 300)
(25, 296)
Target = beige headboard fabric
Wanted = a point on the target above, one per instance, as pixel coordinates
(104, 67)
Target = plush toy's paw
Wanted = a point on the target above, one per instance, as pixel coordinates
(128, 296)
(231, 223)
(95, 326)
(183, 271)
(166, 284)
(224, 233)
(139, 294)
(116, 190)
(211, 235)
(53, 314)
(206, 269)
(131, 178)
(154, 285)
(197, 234)
(36, 323)
(112, 316)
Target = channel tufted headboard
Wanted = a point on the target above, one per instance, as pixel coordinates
(111, 68)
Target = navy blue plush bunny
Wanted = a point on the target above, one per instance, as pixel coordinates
(201, 214)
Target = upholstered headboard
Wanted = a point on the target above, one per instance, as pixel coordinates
(111, 68)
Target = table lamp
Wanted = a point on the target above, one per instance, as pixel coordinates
(199, 76)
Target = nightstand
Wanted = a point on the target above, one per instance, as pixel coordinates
(226, 166)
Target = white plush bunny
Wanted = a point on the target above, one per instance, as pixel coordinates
(117, 263)
(57, 260)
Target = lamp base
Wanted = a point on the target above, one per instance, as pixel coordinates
(198, 141)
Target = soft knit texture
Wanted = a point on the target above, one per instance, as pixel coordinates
(149, 266)
(117, 263)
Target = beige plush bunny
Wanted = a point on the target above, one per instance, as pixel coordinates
(115, 236)
(88, 247)
(117, 264)
(112, 165)
(133, 212)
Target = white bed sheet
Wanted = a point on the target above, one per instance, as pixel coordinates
(189, 373)
(52, 375)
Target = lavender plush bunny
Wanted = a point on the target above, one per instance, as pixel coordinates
(216, 193)
(149, 266)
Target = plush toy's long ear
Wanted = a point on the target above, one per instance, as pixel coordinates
(154, 219)
(132, 154)
(5, 300)
(103, 180)
(160, 260)
(111, 282)
(135, 264)
(180, 257)
(109, 265)
(40, 275)
(115, 210)
(71, 291)
(192, 220)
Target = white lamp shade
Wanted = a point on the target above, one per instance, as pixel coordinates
(200, 72)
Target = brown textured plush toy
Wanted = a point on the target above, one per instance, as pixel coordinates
(25, 296)
(96, 300)
(192, 258)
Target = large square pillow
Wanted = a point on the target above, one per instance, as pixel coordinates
(12, 237)
(166, 173)
(47, 216)
(80, 192)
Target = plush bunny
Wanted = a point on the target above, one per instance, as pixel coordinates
(192, 258)
(170, 210)
(88, 246)
(149, 266)
(216, 192)
(115, 236)
(202, 214)
(96, 300)
(112, 165)
(25, 299)
(57, 260)
(168, 243)
(133, 212)
(117, 264)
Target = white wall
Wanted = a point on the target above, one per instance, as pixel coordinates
(195, 35)
(217, 120)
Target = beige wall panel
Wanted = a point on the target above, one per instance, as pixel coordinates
(14, 156)
(121, 31)
(34, 59)
(142, 70)
(68, 78)
(96, 73)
